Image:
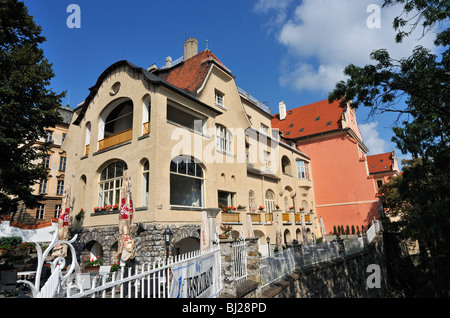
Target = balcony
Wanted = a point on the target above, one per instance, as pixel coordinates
(146, 128)
(255, 217)
(115, 139)
(286, 218)
(86, 150)
(298, 219)
(268, 218)
(230, 217)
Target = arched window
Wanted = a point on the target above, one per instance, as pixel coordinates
(145, 182)
(186, 183)
(224, 140)
(270, 201)
(110, 185)
(116, 123)
(251, 201)
(286, 165)
(146, 115)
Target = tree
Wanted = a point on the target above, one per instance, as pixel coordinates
(27, 106)
(417, 88)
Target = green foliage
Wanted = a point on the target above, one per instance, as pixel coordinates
(13, 241)
(27, 106)
(416, 87)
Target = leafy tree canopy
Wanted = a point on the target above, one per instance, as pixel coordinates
(27, 105)
(416, 88)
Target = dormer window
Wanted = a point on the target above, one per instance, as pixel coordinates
(219, 99)
(317, 118)
(328, 123)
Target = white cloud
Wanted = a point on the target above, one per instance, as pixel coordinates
(323, 36)
(371, 138)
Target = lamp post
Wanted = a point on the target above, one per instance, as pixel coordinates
(268, 246)
(167, 238)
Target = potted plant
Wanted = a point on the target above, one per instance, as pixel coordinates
(292, 208)
(261, 208)
(277, 207)
(93, 264)
(226, 230)
(80, 215)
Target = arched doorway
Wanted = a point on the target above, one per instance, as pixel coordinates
(186, 245)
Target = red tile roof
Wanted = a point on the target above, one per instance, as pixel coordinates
(190, 74)
(379, 163)
(309, 119)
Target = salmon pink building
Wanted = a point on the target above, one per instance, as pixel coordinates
(383, 166)
(328, 134)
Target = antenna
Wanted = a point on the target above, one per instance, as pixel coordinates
(123, 53)
(206, 44)
(68, 98)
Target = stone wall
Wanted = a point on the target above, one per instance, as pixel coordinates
(148, 238)
(344, 277)
(247, 287)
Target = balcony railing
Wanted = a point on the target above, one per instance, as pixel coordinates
(231, 217)
(286, 218)
(86, 150)
(115, 139)
(256, 218)
(146, 128)
(269, 217)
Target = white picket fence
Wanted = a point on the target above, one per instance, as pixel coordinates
(160, 279)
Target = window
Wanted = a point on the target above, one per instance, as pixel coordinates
(251, 201)
(63, 137)
(270, 201)
(43, 186)
(328, 123)
(225, 198)
(302, 169)
(224, 140)
(317, 118)
(145, 182)
(286, 165)
(291, 125)
(301, 129)
(264, 129)
(49, 136)
(267, 159)
(62, 164)
(60, 187)
(379, 183)
(186, 182)
(219, 99)
(57, 210)
(40, 211)
(286, 204)
(110, 185)
(47, 161)
(186, 119)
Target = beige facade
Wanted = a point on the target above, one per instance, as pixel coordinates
(53, 187)
(136, 119)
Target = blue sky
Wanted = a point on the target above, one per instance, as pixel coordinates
(279, 50)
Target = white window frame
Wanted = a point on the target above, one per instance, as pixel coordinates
(224, 140)
(145, 182)
(270, 202)
(43, 186)
(303, 170)
(219, 99)
(60, 187)
(110, 189)
(40, 212)
(177, 161)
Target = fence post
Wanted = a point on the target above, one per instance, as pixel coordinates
(212, 214)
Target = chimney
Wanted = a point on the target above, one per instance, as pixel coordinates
(168, 61)
(282, 110)
(190, 48)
